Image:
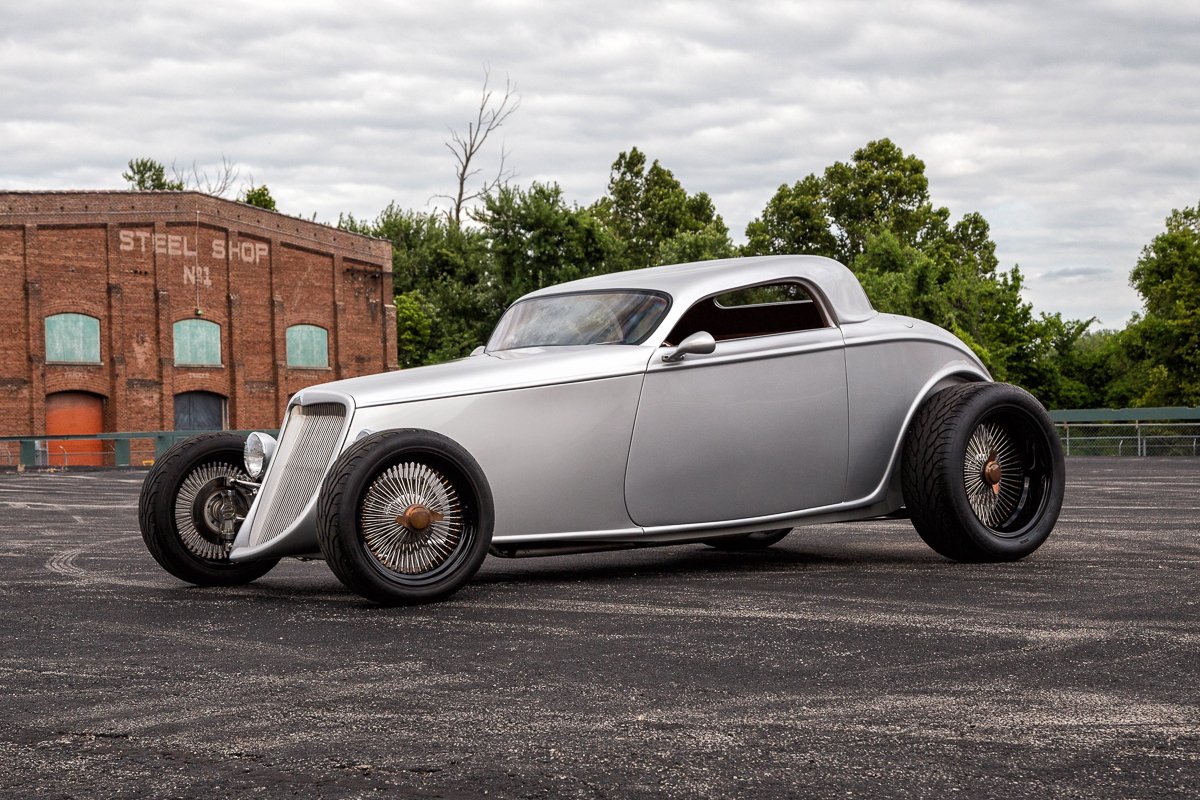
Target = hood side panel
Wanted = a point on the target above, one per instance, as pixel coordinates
(553, 455)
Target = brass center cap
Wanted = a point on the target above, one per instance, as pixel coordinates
(991, 472)
(415, 518)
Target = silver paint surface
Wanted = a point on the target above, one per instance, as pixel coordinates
(611, 443)
(742, 432)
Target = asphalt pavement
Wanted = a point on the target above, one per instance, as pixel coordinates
(848, 660)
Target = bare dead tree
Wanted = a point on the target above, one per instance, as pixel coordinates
(492, 113)
(217, 185)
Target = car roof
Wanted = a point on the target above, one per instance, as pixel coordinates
(836, 287)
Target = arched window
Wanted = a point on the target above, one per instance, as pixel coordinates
(72, 339)
(197, 343)
(307, 347)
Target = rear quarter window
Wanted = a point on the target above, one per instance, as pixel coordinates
(783, 307)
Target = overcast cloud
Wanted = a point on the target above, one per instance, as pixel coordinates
(1071, 127)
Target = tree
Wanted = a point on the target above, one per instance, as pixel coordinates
(216, 184)
(795, 220)
(146, 174)
(446, 303)
(1165, 338)
(536, 239)
(259, 196)
(881, 188)
(647, 207)
(874, 214)
(489, 117)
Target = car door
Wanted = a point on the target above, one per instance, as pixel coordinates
(757, 427)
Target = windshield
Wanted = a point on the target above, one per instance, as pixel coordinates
(584, 318)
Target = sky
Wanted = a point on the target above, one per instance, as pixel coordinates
(1071, 126)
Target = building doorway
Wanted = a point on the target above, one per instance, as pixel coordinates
(74, 413)
(200, 411)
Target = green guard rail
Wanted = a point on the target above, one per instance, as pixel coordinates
(121, 448)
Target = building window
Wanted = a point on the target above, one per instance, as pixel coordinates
(72, 339)
(197, 343)
(307, 347)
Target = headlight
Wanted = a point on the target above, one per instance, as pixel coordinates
(257, 455)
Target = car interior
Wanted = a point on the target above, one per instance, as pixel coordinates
(752, 311)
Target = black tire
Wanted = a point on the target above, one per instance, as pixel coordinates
(743, 542)
(179, 497)
(983, 472)
(382, 478)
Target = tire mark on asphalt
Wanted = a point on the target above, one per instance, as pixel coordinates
(63, 563)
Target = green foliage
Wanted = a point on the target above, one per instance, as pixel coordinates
(146, 174)
(646, 208)
(874, 214)
(1165, 340)
(446, 302)
(796, 220)
(415, 321)
(259, 196)
(708, 243)
(537, 240)
(880, 189)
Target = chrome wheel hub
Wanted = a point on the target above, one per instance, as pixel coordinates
(412, 519)
(992, 475)
(208, 512)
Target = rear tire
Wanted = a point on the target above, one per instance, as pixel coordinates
(180, 506)
(405, 517)
(983, 472)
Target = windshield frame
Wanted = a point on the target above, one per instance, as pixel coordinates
(666, 310)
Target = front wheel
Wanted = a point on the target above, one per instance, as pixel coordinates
(189, 511)
(405, 517)
(983, 472)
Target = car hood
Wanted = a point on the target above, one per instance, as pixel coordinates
(491, 372)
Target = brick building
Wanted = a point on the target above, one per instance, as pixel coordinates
(140, 311)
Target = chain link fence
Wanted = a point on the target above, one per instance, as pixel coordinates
(1135, 438)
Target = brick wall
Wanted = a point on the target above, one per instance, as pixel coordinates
(142, 261)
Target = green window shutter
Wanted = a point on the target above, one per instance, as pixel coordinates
(307, 347)
(197, 343)
(72, 339)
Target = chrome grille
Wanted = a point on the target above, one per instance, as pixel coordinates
(311, 435)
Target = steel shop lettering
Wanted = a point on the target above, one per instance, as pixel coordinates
(171, 244)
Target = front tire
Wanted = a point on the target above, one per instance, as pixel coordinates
(184, 502)
(983, 472)
(405, 517)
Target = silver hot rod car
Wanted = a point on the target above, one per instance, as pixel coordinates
(723, 402)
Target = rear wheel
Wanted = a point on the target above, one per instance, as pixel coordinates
(405, 517)
(983, 473)
(189, 511)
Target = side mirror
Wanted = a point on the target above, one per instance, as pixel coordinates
(477, 350)
(700, 343)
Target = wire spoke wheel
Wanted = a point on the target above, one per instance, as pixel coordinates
(983, 472)
(992, 475)
(405, 516)
(208, 512)
(1005, 472)
(412, 519)
(190, 511)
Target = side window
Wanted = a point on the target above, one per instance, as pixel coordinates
(72, 339)
(307, 347)
(197, 343)
(783, 307)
